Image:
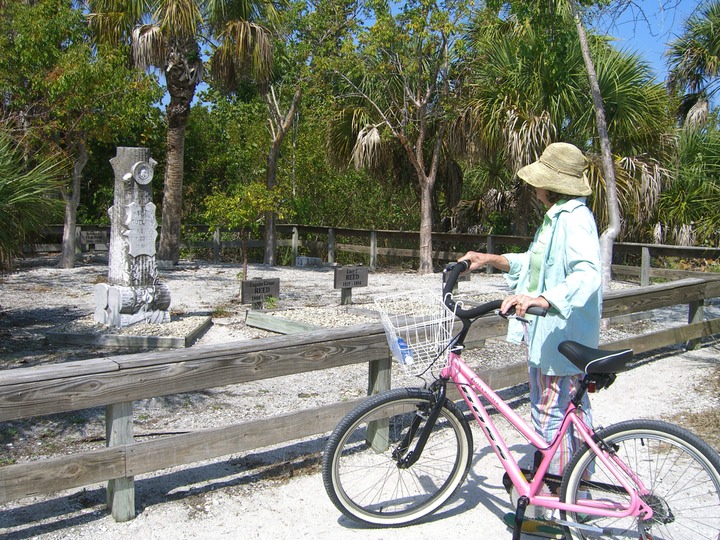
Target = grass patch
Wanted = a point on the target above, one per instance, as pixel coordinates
(707, 423)
(221, 312)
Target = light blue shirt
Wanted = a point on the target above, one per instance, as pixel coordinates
(570, 279)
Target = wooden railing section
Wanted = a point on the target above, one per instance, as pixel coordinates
(366, 242)
(116, 381)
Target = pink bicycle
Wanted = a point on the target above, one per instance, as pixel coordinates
(400, 455)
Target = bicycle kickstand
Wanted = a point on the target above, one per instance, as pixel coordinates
(520, 516)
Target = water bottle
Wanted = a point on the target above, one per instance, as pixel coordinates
(406, 357)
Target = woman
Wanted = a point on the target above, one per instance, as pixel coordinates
(561, 272)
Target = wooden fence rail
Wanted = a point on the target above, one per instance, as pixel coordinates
(116, 381)
(324, 241)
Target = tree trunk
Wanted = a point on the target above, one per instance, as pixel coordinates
(169, 249)
(426, 187)
(243, 249)
(72, 200)
(279, 125)
(613, 229)
(183, 72)
(270, 182)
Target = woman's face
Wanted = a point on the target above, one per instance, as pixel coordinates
(542, 196)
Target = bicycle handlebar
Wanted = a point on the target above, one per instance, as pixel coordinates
(451, 273)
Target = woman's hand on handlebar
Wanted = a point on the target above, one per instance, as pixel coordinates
(478, 260)
(522, 302)
(474, 259)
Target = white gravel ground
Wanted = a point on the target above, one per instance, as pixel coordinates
(276, 492)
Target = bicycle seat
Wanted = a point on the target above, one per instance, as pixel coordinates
(595, 361)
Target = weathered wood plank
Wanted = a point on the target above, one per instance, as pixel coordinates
(187, 448)
(240, 348)
(119, 341)
(129, 341)
(119, 432)
(653, 297)
(9, 377)
(265, 321)
(57, 474)
(712, 288)
(666, 338)
(668, 273)
(214, 367)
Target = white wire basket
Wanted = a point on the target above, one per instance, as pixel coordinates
(418, 327)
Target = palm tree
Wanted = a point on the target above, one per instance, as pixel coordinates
(399, 96)
(687, 212)
(526, 90)
(694, 62)
(29, 199)
(688, 209)
(164, 34)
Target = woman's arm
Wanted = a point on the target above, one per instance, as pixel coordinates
(477, 260)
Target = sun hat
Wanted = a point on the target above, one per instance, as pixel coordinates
(561, 168)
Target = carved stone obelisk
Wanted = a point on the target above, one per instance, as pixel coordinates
(133, 292)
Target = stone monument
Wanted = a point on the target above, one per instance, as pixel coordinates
(133, 292)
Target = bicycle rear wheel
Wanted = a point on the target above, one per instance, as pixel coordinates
(360, 464)
(680, 471)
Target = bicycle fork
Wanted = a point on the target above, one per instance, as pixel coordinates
(406, 459)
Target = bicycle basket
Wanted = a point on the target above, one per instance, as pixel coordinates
(418, 327)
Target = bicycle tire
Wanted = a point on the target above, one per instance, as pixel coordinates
(361, 476)
(680, 471)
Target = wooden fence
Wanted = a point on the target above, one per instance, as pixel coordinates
(116, 381)
(374, 244)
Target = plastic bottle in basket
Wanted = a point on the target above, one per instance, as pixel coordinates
(406, 355)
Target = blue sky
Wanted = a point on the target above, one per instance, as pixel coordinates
(664, 22)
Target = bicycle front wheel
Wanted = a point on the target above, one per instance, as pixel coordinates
(361, 470)
(680, 472)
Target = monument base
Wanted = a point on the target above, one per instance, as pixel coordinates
(121, 306)
(177, 334)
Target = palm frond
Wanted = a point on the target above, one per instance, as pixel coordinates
(179, 18)
(527, 137)
(221, 11)
(28, 199)
(113, 21)
(148, 47)
(368, 148)
(249, 46)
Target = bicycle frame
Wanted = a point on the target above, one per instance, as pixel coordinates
(470, 386)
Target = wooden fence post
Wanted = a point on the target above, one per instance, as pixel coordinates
(78, 245)
(346, 296)
(377, 435)
(216, 245)
(696, 314)
(331, 246)
(373, 250)
(119, 431)
(645, 267)
(294, 243)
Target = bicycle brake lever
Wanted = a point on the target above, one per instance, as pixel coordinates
(511, 315)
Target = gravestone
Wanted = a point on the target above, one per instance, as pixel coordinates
(133, 292)
(255, 291)
(347, 277)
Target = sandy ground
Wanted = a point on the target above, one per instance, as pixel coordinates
(278, 492)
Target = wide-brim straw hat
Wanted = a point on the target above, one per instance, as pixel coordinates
(561, 168)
